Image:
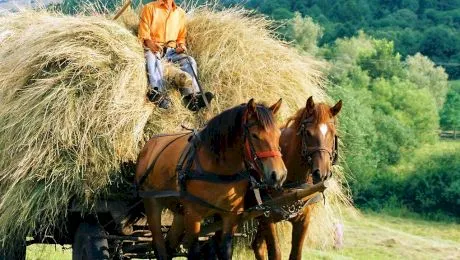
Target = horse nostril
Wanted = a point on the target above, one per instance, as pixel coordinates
(273, 176)
(316, 173)
(316, 176)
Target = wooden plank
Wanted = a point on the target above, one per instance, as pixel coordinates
(122, 10)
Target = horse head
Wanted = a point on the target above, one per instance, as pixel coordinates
(317, 127)
(248, 134)
(261, 143)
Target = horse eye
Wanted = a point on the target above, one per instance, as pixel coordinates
(309, 133)
(255, 136)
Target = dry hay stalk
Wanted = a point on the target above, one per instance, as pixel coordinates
(73, 106)
(72, 109)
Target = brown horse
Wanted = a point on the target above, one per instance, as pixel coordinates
(309, 146)
(206, 173)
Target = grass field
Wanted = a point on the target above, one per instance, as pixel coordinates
(369, 236)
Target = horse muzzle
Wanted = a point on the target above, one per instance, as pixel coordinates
(319, 177)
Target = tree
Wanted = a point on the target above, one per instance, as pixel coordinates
(282, 14)
(426, 75)
(410, 4)
(305, 33)
(450, 113)
(440, 41)
(383, 62)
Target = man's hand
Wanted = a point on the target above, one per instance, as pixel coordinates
(180, 49)
(153, 46)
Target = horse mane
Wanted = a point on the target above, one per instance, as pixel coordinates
(320, 114)
(224, 130)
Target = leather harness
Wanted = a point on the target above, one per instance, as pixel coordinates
(252, 164)
(189, 158)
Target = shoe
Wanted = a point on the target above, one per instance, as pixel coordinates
(209, 96)
(195, 102)
(160, 99)
(190, 102)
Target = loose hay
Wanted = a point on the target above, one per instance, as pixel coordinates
(72, 109)
(73, 106)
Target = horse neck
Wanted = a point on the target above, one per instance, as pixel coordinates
(232, 163)
(291, 147)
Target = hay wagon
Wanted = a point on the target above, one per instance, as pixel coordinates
(109, 232)
(111, 99)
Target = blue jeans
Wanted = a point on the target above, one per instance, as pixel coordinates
(155, 69)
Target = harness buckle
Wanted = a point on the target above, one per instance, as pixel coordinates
(267, 213)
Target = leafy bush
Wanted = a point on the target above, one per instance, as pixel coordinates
(434, 185)
(389, 111)
(450, 113)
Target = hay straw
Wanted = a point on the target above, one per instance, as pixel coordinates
(73, 105)
(72, 109)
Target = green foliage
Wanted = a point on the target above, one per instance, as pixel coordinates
(358, 133)
(304, 32)
(382, 62)
(426, 75)
(389, 111)
(435, 185)
(450, 113)
(426, 26)
(429, 184)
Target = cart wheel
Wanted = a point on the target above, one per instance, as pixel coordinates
(88, 244)
(19, 252)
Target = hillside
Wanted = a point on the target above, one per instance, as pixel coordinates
(430, 27)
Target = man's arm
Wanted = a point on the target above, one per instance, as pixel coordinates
(153, 46)
(182, 35)
(144, 29)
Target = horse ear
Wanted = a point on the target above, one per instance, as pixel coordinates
(275, 107)
(251, 106)
(310, 104)
(336, 109)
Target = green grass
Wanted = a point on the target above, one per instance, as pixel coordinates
(48, 252)
(369, 236)
(385, 237)
(380, 236)
(454, 82)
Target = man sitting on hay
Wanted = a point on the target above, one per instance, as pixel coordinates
(162, 31)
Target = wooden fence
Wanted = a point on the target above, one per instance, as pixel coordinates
(451, 134)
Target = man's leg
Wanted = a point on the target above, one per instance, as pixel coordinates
(157, 93)
(188, 64)
(155, 71)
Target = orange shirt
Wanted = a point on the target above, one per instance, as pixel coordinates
(162, 25)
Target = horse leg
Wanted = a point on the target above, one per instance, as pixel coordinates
(192, 223)
(175, 233)
(299, 231)
(229, 226)
(258, 244)
(211, 248)
(274, 252)
(153, 209)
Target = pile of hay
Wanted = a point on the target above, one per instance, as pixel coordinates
(73, 105)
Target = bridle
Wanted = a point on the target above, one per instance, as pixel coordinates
(252, 158)
(308, 152)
